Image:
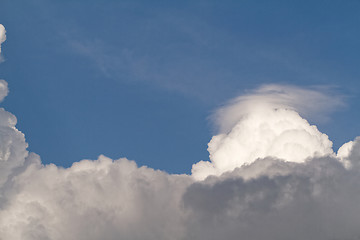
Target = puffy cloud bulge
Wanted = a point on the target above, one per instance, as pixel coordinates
(270, 175)
(266, 122)
(2, 38)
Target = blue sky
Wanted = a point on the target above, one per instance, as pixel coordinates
(138, 79)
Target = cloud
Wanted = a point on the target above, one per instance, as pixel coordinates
(271, 176)
(101, 199)
(265, 123)
(315, 103)
(314, 200)
(12, 142)
(106, 199)
(2, 38)
(3, 89)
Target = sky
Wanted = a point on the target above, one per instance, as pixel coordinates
(90, 78)
(179, 120)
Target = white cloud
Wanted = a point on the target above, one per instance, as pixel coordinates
(12, 146)
(265, 123)
(2, 38)
(3, 89)
(292, 187)
(315, 103)
(100, 199)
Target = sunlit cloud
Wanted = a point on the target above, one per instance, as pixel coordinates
(2, 39)
(265, 123)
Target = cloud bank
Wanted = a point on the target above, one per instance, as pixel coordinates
(271, 175)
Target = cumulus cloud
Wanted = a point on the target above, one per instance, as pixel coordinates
(3, 89)
(101, 199)
(265, 123)
(271, 176)
(2, 38)
(315, 200)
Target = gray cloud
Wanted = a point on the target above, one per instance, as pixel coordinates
(315, 200)
(100, 199)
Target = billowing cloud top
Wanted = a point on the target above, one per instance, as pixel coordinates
(271, 176)
(265, 123)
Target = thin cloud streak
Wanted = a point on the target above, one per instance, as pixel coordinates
(316, 103)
